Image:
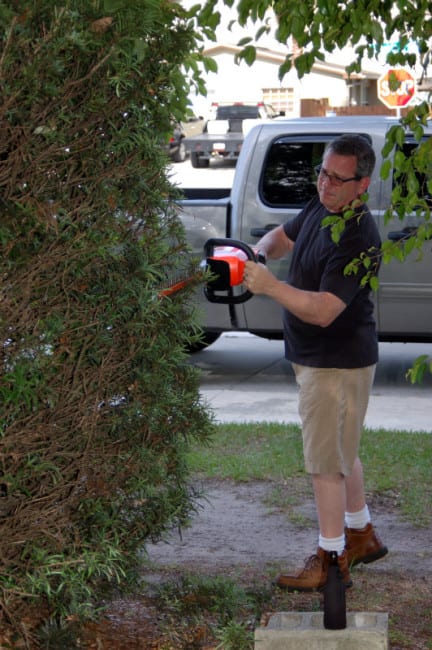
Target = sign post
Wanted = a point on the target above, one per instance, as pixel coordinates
(396, 88)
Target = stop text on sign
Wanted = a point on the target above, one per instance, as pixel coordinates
(396, 88)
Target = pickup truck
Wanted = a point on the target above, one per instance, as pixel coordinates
(224, 132)
(273, 180)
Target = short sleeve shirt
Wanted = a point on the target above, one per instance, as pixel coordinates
(318, 264)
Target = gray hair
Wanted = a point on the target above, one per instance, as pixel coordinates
(353, 144)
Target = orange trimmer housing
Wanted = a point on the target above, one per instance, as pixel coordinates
(229, 269)
(225, 259)
(236, 269)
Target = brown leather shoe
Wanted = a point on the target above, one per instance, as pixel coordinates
(314, 574)
(363, 545)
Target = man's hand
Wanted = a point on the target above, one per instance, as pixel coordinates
(259, 279)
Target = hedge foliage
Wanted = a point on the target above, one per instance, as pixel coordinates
(98, 402)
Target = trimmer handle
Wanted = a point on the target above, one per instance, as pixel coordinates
(229, 270)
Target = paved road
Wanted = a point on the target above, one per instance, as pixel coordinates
(220, 173)
(246, 378)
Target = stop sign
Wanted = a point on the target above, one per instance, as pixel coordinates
(396, 88)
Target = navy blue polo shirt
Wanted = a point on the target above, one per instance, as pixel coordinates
(318, 264)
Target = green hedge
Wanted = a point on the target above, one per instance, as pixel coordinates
(98, 402)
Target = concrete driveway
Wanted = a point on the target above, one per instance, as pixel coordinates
(246, 378)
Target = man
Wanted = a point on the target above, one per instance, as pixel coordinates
(331, 341)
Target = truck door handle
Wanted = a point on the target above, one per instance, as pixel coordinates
(260, 232)
(397, 235)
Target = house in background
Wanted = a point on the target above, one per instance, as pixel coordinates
(325, 90)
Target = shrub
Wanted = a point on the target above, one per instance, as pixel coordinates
(98, 402)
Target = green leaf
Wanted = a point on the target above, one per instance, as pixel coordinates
(410, 244)
(284, 68)
(329, 221)
(400, 136)
(399, 160)
(297, 26)
(376, 31)
(262, 31)
(412, 183)
(385, 170)
(210, 64)
(374, 283)
(248, 54)
(366, 261)
(418, 132)
(244, 41)
(421, 365)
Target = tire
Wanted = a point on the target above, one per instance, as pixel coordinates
(207, 339)
(198, 162)
(180, 154)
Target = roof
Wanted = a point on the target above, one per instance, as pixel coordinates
(277, 58)
(338, 123)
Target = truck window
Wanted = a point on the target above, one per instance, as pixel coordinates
(240, 112)
(288, 177)
(409, 149)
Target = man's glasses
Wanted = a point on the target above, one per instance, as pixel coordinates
(335, 180)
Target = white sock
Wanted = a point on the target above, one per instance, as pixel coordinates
(332, 543)
(358, 519)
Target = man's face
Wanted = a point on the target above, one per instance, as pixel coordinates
(333, 192)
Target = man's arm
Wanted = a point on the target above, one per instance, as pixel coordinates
(275, 244)
(315, 307)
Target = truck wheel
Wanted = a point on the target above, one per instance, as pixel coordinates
(180, 154)
(207, 339)
(198, 161)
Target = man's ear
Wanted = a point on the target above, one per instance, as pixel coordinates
(364, 184)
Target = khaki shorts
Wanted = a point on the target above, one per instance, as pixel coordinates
(332, 408)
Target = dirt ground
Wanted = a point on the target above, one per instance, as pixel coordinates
(235, 526)
(238, 531)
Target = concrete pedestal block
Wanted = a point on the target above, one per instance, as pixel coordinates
(305, 631)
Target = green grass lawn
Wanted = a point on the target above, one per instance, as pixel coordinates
(396, 463)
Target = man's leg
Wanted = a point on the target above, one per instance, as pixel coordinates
(362, 542)
(355, 496)
(322, 408)
(330, 502)
(331, 436)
